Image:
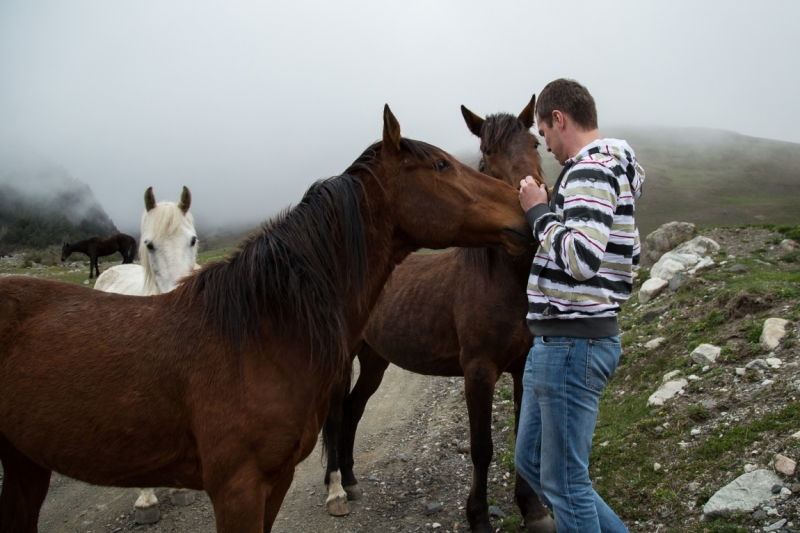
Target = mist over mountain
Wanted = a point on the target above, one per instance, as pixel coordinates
(41, 203)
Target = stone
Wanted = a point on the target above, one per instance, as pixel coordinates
(669, 375)
(759, 515)
(433, 508)
(704, 263)
(496, 511)
(757, 364)
(774, 362)
(744, 493)
(705, 354)
(677, 280)
(666, 268)
(655, 343)
(788, 245)
(693, 486)
(737, 268)
(699, 246)
(785, 465)
(664, 239)
(656, 467)
(652, 288)
(775, 527)
(652, 314)
(750, 468)
(667, 391)
(741, 371)
(774, 331)
(785, 493)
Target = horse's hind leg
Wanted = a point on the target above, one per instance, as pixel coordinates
(537, 518)
(25, 486)
(479, 381)
(372, 368)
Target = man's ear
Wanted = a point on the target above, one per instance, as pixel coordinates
(526, 117)
(474, 122)
(559, 120)
(391, 130)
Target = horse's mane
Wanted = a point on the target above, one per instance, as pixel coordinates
(289, 272)
(498, 129)
(163, 220)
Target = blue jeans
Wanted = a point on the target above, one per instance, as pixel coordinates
(564, 377)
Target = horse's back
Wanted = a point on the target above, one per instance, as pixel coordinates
(122, 279)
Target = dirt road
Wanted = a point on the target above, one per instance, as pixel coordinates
(407, 455)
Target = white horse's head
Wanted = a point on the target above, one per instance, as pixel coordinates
(168, 246)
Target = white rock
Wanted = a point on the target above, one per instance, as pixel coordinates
(666, 268)
(776, 526)
(669, 375)
(664, 239)
(774, 362)
(702, 265)
(741, 371)
(744, 494)
(699, 246)
(767, 382)
(796, 435)
(788, 245)
(750, 468)
(692, 377)
(655, 343)
(785, 493)
(695, 431)
(705, 354)
(785, 465)
(774, 331)
(652, 288)
(656, 467)
(693, 486)
(667, 391)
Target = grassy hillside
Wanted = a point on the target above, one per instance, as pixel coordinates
(709, 177)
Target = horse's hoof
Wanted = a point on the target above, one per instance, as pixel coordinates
(147, 515)
(182, 497)
(338, 506)
(354, 492)
(543, 525)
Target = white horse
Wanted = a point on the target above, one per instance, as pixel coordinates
(167, 253)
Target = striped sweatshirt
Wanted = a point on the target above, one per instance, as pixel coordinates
(588, 244)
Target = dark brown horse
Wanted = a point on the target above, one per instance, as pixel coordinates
(223, 384)
(96, 247)
(460, 313)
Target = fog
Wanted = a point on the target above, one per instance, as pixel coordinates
(248, 103)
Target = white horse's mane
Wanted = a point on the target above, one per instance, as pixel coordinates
(162, 220)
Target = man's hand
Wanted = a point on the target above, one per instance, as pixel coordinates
(531, 193)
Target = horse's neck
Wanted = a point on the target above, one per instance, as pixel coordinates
(385, 250)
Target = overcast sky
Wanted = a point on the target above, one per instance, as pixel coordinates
(247, 103)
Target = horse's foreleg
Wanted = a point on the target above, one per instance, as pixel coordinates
(479, 381)
(239, 502)
(275, 499)
(25, 486)
(537, 518)
(372, 368)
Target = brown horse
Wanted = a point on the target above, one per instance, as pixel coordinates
(96, 247)
(460, 313)
(223, 384)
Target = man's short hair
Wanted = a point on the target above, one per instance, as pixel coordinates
(570, 97)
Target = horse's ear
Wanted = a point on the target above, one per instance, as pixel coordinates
(474, 122)
(526, 117)
(149, 199)
(391, 130)
(186, 200)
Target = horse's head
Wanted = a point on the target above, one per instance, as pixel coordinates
(508, 147)
(168, 248)
(440, 202)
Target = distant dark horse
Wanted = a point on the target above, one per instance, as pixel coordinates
(98, 247)
(460, 313)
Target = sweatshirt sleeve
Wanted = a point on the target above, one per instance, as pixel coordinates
(577, 243)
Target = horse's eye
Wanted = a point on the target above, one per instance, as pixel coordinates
(194, 241)
(441, 165)
(150, 246)
(488, 153)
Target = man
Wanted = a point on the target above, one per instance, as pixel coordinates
(581, 272)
